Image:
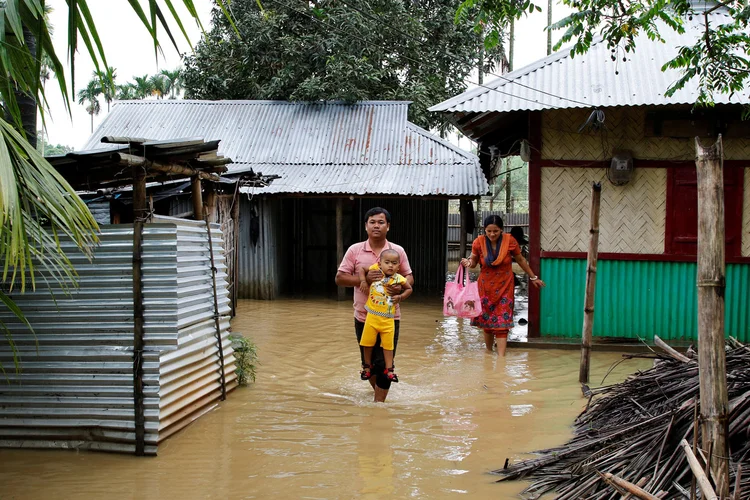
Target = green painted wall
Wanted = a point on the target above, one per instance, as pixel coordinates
(637, 299)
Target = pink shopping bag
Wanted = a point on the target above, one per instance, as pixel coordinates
(461, 300)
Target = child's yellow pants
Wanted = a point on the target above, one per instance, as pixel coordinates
(375, 325)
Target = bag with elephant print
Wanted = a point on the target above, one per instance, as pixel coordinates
(461, 300)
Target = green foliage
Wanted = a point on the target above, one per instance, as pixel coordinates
(718, 59)
(49, 149)
(57, 150)
(246, 358)
(347, 50)
(36, 204)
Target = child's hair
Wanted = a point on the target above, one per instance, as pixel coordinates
(390, 252)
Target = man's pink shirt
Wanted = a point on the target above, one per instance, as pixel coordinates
(361, 255)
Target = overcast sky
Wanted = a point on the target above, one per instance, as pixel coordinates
(130, 51)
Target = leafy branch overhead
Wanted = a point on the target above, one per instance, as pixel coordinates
(716, 58)
(346, 50)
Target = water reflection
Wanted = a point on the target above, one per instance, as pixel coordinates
(308, 427)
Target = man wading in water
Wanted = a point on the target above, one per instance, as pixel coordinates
(365, 254)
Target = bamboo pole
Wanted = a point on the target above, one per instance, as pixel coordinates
(631, 488)
(711, 284)
(700, 476)
(670, 350)
(140, 213)
(693, 485)
(737, 485)
(641, 483)
(340, 240)
(588, 306)
(508, 190)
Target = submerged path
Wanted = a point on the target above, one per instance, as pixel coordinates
(308, 428)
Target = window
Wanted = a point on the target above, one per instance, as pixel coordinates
(682, 210)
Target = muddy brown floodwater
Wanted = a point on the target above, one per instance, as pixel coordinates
(308, 428)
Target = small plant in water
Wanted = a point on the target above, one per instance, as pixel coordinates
(246, 356)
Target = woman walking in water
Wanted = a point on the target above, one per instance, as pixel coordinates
(495, 252)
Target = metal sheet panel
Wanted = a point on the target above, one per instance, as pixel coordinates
(100, 211)
(75, 387)
(593, 79)
(260, 270)
(637, 299)
(366, 147)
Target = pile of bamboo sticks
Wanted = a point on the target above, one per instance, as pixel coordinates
(638, 438)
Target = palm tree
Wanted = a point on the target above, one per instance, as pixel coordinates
(90, 95)
(143, 87)
(172, 82)
(107, 82)
(158, 85)
(126, 92)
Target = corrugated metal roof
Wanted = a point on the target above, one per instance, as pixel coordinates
(363, 148)
(455, 173)
(593, 79)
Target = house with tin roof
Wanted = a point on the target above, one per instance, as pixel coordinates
(585, 119)
(331, 162)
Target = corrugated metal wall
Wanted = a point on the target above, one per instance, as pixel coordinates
(261, 267)
(637, 299)
(75, 387)
(189, 375)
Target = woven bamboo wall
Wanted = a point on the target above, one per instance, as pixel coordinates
(624, 129)
(746, 216)
(632, 217)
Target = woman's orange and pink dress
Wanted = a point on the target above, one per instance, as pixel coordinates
(496, 287)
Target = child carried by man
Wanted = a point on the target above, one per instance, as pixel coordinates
(380, 309)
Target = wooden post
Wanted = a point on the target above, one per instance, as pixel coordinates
(462, 229)
(197, 198)
(340, 240)
(588, 304)
(711, 284)
(140, 213)
(211, 199)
